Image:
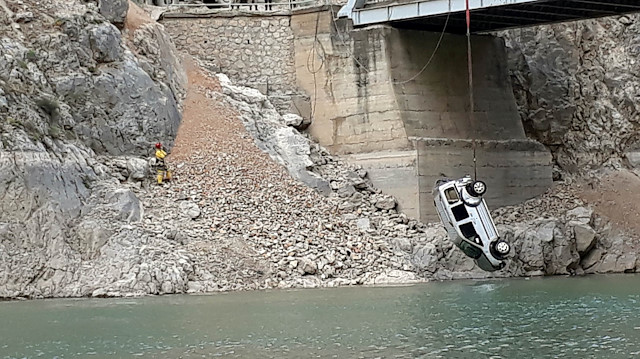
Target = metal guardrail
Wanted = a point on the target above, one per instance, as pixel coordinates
(251, 5)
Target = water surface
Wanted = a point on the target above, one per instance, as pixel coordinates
(592, 317)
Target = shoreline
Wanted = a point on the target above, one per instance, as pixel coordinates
(267, 290)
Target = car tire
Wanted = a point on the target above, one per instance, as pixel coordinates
(500, 248)
(477, 188)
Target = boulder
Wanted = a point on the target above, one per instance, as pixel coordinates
(404, 244)
(564, 258)
(633, 158)
(105, 43)
(626, 262)
(584, 235)
(346, 191)
(24, 17)
(591, 258)
(190, 209)
(363, 223)
(426, 257)
(385, 203)
(357, 178)
(316, 182)
(544, 233)
(307, 266)
(89, 237)
(100, 292)
(125, 204)
(114, 10)
(137, 168)
(293, 120)
(394, 276)
(580, 214)
(607, 264)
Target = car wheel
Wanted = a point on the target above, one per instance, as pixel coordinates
(477, 188)
(500, 248)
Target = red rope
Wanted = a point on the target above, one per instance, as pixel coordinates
(468, 17)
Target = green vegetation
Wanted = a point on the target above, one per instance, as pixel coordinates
(13, 122)
(55, 132)
(59, 22)
(49, 105)
(30, 56)
(33, 131)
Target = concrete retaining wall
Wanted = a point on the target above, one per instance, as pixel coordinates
(514, 170)
(396, 173)
(255, 51)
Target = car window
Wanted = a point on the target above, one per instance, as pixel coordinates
(470, 250)
(460, 212)
(452, 195)
(468, 231)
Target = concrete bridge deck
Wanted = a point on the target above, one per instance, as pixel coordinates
(487, 15)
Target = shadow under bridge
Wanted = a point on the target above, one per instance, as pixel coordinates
(486, 15)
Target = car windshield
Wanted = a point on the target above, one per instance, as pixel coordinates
(452, 195)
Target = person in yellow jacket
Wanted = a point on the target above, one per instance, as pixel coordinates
(161, 166)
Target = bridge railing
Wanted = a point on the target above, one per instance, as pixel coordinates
(246, 5)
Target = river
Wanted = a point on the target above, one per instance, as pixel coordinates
(589, 317)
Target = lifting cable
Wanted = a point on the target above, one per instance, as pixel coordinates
(311, 65)
(471, 105)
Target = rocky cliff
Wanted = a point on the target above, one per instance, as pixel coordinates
(576, 86)
(81, 87)
(86, 88)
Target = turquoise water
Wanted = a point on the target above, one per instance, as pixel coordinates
(592, 317)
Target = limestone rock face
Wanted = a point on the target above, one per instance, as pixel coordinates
(576, 87)
(157, 55)
(71, 87)
(585, 236)
(105, 43)
(92, 86)
(114, 11)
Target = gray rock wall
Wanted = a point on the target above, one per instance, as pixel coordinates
(73, 85)
(89, 86)
(576, 86)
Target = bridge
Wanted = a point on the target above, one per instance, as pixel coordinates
(486, 15)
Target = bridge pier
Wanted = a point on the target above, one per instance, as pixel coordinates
(376, 105)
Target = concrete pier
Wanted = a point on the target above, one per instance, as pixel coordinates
(377, 104)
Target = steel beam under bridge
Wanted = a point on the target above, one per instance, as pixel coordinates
(487, 15)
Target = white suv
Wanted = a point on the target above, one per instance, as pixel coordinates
(468, 222)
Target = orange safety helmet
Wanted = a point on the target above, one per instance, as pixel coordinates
(158, 145)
